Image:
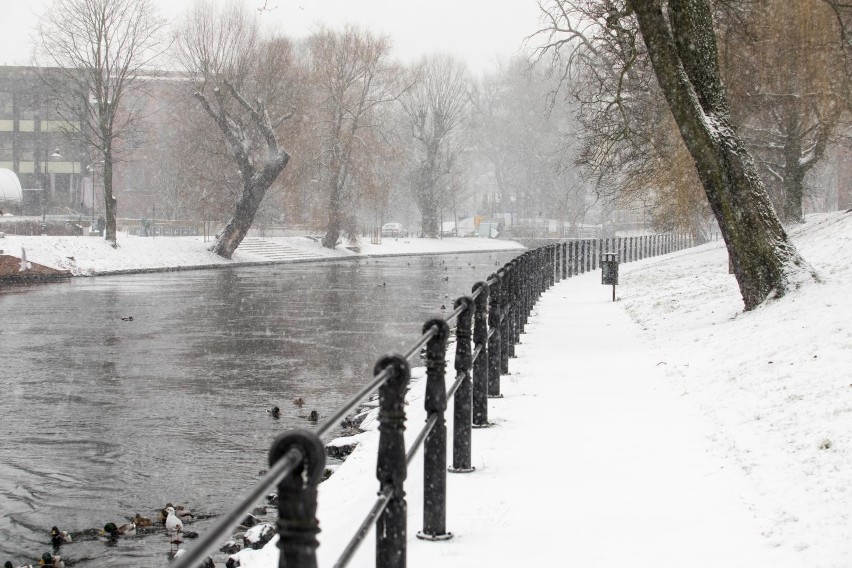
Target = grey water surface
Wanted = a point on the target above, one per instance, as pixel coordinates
(102, 418)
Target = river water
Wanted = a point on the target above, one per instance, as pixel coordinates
(103, 418)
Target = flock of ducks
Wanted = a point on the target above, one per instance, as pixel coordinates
(172, 517)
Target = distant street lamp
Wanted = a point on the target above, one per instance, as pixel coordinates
(55, 155)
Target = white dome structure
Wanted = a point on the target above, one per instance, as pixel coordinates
(10, 187)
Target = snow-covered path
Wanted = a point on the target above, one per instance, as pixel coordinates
(595, 459)
(636, 485)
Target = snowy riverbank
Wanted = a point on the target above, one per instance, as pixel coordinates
(88, 256)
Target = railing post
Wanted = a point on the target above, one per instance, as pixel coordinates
(480, 366)
(575, 258)
(564, 260)
(552, 272)
(505, 317)
(297, 499)
(517, 304)
(520, 275)
(511, 308)
(596, 245)
(555, 256)
(554, 269)
(526, 287)
(539, 273)
(463, 399)
(557, 263)
(391, 471)
(494, 354)
(435, 446)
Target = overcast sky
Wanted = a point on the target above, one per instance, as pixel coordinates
(479, 31)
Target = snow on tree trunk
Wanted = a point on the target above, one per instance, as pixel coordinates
(682, 49)
(254, 189)
(238, 140)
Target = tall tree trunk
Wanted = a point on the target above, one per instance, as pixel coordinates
(794, 190)
(429, 224)
(110, 203)
(254, 189)
(427, 203)
(332, 232)
(239, 224)
(683, 53)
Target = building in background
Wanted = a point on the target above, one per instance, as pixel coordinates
(41, 143)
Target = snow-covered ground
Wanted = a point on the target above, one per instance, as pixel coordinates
(667, 429)
(86, 256)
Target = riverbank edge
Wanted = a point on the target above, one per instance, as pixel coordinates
(11, 273)
(239, 263)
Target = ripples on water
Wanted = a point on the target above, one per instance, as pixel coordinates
(104, 418)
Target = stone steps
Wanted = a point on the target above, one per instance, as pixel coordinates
(274, 251)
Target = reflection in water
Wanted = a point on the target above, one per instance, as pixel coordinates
(104, 418)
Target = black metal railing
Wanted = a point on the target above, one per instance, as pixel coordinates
(489, 324)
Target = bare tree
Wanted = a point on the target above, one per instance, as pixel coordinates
(437, 110)
(526, 135)
(792, 93)
(680, 46)
(353, 79)
(241, 80)
(101, 49)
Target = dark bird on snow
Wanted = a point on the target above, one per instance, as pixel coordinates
(274, 411)
(128, 318)
(314, 416)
